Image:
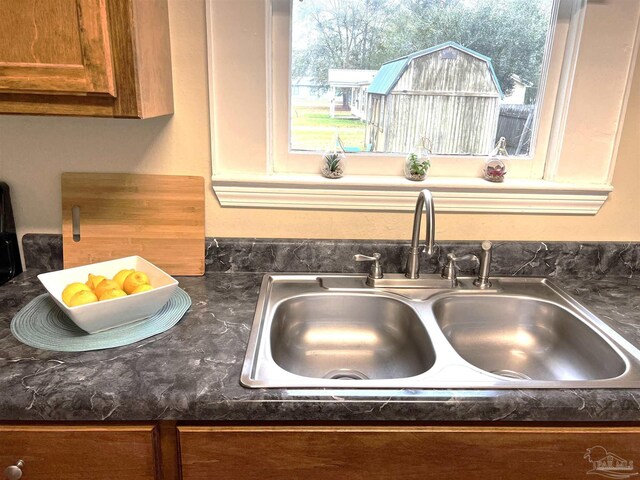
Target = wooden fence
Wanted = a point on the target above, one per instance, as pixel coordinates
(514, 124)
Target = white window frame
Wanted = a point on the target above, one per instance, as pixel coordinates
(387, 164)
(252, 169)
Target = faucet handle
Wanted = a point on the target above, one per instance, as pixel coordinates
(376, 270)
(449, 270)
(469, 256)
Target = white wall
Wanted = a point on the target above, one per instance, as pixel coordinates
(34, 151)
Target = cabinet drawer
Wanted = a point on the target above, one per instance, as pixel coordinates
(420, 453)
(69, 452)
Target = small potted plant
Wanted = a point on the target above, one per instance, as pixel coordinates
(417, 163)
(332, 165)
(333, 160)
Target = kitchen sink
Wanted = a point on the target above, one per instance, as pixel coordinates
(525, 338)
(336, 331)
(349, 337)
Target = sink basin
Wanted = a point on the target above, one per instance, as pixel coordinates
(525, 338)
(336, 332)
(349, 337)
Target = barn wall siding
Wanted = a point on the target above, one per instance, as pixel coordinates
(455, 125)
(465, 73)
(452, 101)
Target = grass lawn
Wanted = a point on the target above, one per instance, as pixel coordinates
(312, 128)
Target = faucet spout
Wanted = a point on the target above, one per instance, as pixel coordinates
(425, 200)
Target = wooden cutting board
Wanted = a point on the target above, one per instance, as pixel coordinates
(159, 217)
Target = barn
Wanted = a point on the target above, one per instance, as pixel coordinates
(447, 93)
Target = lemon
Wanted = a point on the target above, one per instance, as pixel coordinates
(83, 297)
(142, 288)
(134, 280)
(112, 293)
(71, 289)
(105, 285)
(94, 280)
(121, 276)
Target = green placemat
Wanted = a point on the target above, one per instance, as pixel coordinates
(41, 324)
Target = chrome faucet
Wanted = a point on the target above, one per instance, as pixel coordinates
(425, 200)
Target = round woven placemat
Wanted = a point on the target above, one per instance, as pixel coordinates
(41, 324)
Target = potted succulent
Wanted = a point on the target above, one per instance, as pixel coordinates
(332, 164)
(416, 167)
(417, 163)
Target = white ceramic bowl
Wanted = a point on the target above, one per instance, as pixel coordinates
(99, 316)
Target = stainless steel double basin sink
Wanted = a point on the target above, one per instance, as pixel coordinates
(334, 331)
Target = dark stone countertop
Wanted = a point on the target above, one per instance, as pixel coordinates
(191, 372)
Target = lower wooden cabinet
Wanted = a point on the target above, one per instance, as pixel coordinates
(81, 452)
(164, 451)
(419, 453)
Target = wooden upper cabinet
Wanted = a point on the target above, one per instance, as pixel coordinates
(71, 55)
(107, 58)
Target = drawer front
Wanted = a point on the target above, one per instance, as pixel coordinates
(410, 453)
(69, 453)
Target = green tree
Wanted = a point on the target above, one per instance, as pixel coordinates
(511, 32)
(340, 34)
(367, 33)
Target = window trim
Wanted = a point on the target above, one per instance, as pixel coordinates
(470, 195)
(249, 179)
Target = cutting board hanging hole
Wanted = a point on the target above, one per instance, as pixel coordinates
(75, 222)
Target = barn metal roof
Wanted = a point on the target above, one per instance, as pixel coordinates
(390, 72)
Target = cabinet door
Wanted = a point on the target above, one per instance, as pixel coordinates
(55, 47)
(410, 453)
(75, 453)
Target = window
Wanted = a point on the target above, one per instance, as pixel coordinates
(390, 75)
(567, 169)
(467, 117)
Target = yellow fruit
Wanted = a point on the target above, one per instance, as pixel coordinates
(82, 298)
(94, 280)
(142, 288)
(105, 285)
(71, 289)
(121, 276)
(134, 280)
(112, 293)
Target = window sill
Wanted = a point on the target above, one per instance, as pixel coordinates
(463, 195)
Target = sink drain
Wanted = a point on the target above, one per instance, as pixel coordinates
(346, 374)
(511, 374)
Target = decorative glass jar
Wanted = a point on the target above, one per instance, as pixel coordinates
(495, 167)
(332, 164)
(417, 162)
